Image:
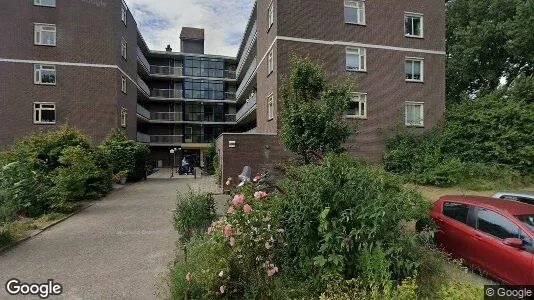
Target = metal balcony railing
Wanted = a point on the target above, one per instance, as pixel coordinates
(141, 57)
(167, 116)
(143, 138)
(244, 110)
(248, 47)
(247, 77)
(143, 111)
(144, 87)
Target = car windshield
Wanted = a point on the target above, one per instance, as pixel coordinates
(527, 219)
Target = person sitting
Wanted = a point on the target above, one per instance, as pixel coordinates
(185, 163)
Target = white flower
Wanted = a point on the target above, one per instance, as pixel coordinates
(221, 273)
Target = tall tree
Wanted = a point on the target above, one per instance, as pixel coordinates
(487, 40)
(312, 115)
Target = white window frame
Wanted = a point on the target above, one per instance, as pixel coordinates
(359, 5)
(360, 98)
(39, 28)
(40, 109)
(415, 59)
(270, 107)
(124, 13)
(39, 3)
(37, 71)
(124, 49)
(270, 62)
(124, 84)
(422, 116)
(414, 15)
(270, 15)
(124, 117)
(362, 57)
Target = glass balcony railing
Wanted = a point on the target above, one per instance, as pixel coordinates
(143, 86)
(246, 108)
(143, 138)
(192, 117)
(244, 84)
(178, 72)
(177, 94)
(174, 140)
(143, 111)
(248, 48)
(142, 59)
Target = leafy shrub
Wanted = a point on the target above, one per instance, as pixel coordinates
(125, 154)
(340, 289)
(22, 191)
(455, 290)
(334, 212)
(5, 236)
(209, 160)
(194, 214)
(217, 169)
(78, 177)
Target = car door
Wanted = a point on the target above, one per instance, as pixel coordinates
(454, 235)
(503, 262)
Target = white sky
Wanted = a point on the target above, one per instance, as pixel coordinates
(224, 21)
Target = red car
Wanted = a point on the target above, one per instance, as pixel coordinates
(492, 234)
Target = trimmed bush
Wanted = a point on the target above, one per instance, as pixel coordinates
(210, 159)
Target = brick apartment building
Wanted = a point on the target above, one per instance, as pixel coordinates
(85, 63)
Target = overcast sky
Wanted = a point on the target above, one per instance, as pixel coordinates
(224, 21)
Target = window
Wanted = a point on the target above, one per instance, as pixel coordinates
(124, 13)
(203, 89)
(270, 63)
(124, 87)
(355, 12)
(44, 113)
(414, 114)
(124, 117)
(414, 69)
(357, 106)
(356, 60)
(124, 48)
(45, 74)
(413, 25)
(270, 107)
(496, 225)
(528, 220)
(51, 3)
(203, 67)
(45, 34)
(270, 13)
(456, 211)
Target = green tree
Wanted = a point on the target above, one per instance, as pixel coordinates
(312, 115)
(486, 41)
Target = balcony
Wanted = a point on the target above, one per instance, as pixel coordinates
(167, 94)
(143, 86)
(143, 138)
(179, 140)
(248, 47)
(191, 117)
(143, 112)
(142, 60)
(247, 108)
(178, 72)
(250, 72)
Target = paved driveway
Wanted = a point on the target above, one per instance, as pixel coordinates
(119, 248)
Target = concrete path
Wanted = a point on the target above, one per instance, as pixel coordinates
(119, 248)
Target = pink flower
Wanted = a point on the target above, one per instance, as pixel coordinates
(227, 230)
(231, 210)
(257, 178)
(221, 289)
(247, 208)
(232, 241)
(210, 230)
(238, 200)
(213, 224)
(188, 277)
(260, 195)
(272, 270)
